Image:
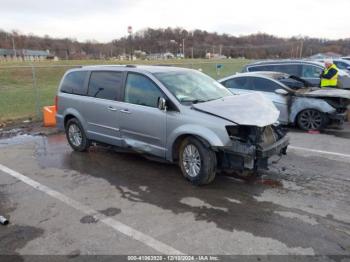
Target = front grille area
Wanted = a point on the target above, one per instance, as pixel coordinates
(268, 136)
(259, 137)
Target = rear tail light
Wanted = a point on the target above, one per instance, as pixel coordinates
(56, 102)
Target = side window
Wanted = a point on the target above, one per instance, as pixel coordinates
(260, 68)
(74, 83)
(310, 71)
(264, 85)
(140, 90)
(106, 85)
(291, 69)
(238, 83)
(341, 65)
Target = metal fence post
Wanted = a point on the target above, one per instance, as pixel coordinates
(37, 95)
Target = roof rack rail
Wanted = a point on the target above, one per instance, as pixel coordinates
(131, 66)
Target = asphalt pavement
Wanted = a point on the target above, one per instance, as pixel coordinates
(61, 202)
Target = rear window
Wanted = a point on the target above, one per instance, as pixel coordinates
(238, 83)
(264, 85)
(74, 83)
(260, 68)
(292, 69)
(105, 85)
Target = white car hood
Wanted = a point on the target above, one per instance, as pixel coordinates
(246, 109)
(328, 92)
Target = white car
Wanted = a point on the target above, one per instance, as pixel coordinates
(310, 108)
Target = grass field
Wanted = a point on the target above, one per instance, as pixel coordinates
(19, 99)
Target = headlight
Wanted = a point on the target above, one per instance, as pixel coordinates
(242, 133)
(232, 130)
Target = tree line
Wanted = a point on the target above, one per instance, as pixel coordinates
(196, 44)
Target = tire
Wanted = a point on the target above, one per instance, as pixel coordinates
(200, 158)
(311, 119)
(76, 136)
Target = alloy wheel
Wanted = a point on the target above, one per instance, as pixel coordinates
(311, 119)
(75, 135)
(191, 160)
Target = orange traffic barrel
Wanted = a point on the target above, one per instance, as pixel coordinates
(49, 115)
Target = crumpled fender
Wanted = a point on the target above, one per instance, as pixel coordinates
(202, 132)
(301, 103)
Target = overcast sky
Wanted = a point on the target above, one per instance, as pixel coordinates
(104, 20)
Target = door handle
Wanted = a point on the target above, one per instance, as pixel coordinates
(110, 108)
(125, 111)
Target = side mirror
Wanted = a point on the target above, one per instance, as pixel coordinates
(162, 104)
(281, 91)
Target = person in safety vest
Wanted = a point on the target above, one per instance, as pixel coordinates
(329, 76)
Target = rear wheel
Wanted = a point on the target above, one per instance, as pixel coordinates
(76, 136)
(311, 119)
(197, 162)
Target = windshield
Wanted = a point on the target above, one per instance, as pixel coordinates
(192, 86)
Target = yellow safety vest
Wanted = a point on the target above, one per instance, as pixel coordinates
(330, 82)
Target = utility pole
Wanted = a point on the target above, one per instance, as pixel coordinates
(130, 39)
(297, 51)
(192, 52)
(172, 41)
(14, 47)
(183, 47)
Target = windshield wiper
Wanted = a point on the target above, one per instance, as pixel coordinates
(193, 101)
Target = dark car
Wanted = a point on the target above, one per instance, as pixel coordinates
(307, 70)
(342, 64)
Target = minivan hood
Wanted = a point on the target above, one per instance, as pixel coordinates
(329, 92)
(246, 109)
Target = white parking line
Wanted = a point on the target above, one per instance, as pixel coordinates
(115, 224)
(319, 151)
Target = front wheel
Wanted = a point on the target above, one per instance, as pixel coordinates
(76, 136)
(311, 119)
(197, 162)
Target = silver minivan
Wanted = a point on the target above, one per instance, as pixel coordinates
(177, 114)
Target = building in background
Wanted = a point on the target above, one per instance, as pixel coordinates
(24, 55)
(160, 56)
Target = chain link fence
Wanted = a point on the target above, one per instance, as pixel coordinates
(25, 89)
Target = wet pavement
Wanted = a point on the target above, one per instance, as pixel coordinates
(300, 206)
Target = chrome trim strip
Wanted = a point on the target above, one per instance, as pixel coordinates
(107, 127)
(103, 135)
(139, 134)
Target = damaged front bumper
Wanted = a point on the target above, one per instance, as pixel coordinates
(337, 119)
(241, 156)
